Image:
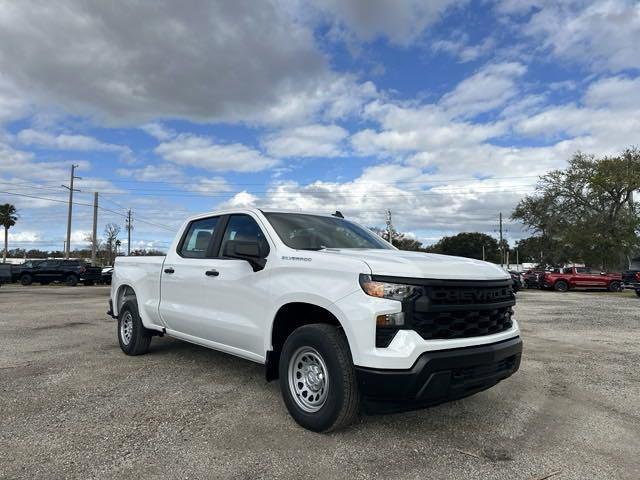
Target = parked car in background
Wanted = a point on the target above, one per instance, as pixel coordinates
(106, 274)
(571, 278)
(533, 278)
(17, 270)
(68, 271)
(517, 280)
(631, 278)
(5, 273)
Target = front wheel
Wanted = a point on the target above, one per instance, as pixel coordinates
(71, 280)
(561, 286)
(133, 338)
(26, 279)
(318, 379)
(615, 287)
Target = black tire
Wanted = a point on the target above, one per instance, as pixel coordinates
(638, 292)
(89, 283)
(341, 405)
(71, 280)
(138, 342)
(561, 286)
(615, 286)
(26, 279)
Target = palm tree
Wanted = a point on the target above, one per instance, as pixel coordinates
(8, 218)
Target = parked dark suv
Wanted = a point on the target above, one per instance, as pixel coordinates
(68, 271)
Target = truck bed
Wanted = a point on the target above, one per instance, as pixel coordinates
(144, 273)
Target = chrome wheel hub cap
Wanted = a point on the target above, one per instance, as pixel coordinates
(308, 379)
(126, 328)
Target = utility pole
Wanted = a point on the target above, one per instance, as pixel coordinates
(483, 257)
(94, 237)
(501, 246)
(129, 227)
(389, 226)
(67, 246)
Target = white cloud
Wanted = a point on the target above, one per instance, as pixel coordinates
(307, 141)
(158, 131)
(461, 49)
(24, 236)
(489, 88)
(604, 35)
(203, 152)
(401, 21)
(209, 185)
(66, 141)
(150, 173)
(140, 62)
(621, 93)
(12, 105)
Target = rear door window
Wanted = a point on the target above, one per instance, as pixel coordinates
(195, 243)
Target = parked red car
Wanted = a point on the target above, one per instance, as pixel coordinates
(581, 278)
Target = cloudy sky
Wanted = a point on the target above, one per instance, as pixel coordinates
(444, 112)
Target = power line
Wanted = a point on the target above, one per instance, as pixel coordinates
(86, 205)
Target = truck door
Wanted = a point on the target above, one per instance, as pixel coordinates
(212, 297)
(238, 294)
(182, 281)
(585, 278)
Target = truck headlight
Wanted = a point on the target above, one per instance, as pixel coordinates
(392, 291)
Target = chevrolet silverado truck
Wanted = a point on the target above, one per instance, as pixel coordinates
(574, 278)
(343, 319)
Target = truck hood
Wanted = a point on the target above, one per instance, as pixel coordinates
(423, 265)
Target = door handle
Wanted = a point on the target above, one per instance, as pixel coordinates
(169, 270)
(212, 273)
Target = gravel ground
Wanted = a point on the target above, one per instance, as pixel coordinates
(73, 406)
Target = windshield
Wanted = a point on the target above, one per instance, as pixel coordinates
(314, 232)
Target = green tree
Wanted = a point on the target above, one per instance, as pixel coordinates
(588, 208)
(468, 244)
(401, 241)
(541, 250)
(8, 218)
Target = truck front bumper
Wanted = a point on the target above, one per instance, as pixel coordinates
(439, 376)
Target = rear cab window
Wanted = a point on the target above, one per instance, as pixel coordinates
(197, 239)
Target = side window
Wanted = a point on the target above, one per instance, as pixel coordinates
(243, 228)
(196, 241)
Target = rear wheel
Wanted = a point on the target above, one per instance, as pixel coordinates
(317, 378)
(26, 279)
(561, 286)
(133, 338)
(71, 280)
(615, 287)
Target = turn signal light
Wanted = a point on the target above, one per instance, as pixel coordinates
(390, 320)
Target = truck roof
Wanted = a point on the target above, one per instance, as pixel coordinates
(228, 211)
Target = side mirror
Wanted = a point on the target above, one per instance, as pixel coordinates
(249, 251)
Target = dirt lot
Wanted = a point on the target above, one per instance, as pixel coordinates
(73, 406)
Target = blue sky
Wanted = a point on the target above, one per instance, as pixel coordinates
(444, 112)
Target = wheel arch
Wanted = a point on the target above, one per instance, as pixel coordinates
(125, 292)
(287, 318)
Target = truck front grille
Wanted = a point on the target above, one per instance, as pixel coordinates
(461, 309)
(449, 309)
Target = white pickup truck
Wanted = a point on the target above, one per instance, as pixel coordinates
(343, 319)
